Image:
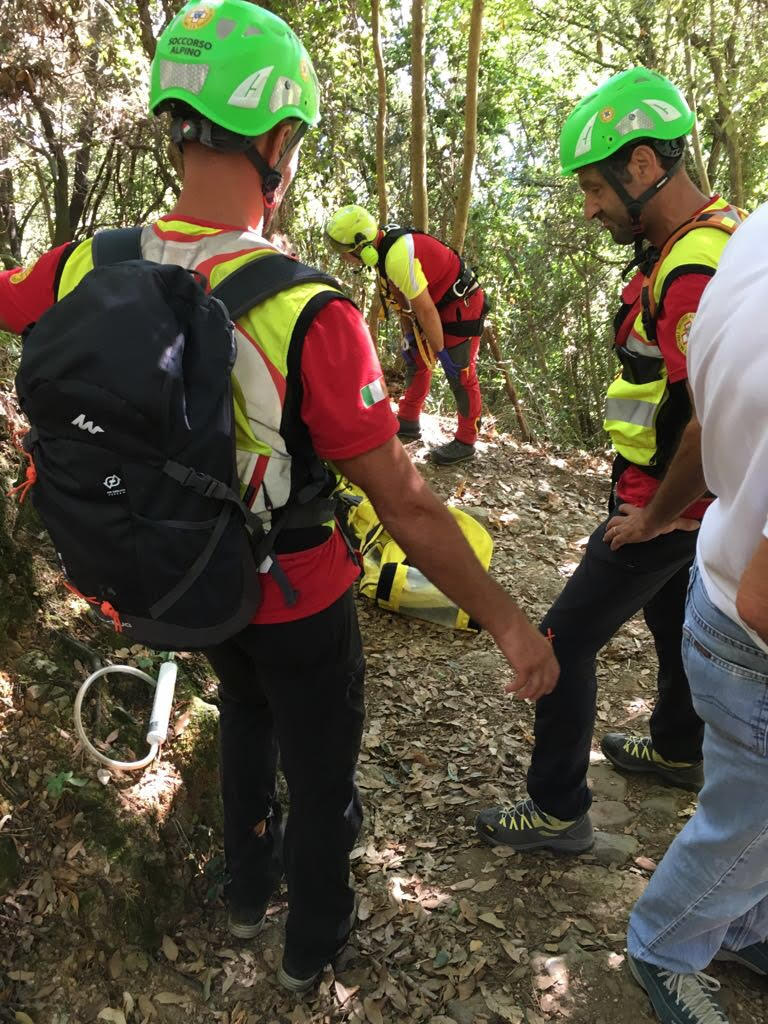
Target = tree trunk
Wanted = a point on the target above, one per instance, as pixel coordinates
(698, 158)
(16, 579)
(489, 336)
(58, 167)
(461, 215)
(420, 203)
(10, 235)
(381, 117)
(373, 320)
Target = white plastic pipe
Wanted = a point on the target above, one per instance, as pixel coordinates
(161, 706)
(159, 718)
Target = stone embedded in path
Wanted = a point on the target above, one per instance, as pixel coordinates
(607, 782)
(666, 806)
(613, 849)
(610, 813)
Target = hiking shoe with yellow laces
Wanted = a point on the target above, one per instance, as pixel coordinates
(526, 827)
(636, 754)
(678, 998)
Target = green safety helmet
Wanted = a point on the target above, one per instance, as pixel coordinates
(353, 229)
(237, 64)
(635, 104)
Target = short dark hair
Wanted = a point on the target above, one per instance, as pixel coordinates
(668, 151)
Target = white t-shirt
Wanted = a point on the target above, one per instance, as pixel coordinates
(728, 372)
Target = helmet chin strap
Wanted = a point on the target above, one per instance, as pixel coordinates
(634, 204)
(202, 130)
(272, 177)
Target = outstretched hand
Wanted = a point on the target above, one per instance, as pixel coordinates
(634, 525)
(531, 656)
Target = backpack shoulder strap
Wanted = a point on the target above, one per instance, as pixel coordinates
(261, 279)
(391, 234)
(116, 245)
(722, 220)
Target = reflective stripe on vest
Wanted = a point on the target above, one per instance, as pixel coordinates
(636, 396)
(631, 411)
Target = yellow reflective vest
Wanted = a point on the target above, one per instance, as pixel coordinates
(638, 394)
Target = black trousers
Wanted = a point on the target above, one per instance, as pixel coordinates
(296, 689)
(607, 589)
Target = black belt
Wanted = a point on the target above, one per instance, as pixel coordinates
(468, 328)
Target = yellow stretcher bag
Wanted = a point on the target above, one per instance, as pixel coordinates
(393, 584)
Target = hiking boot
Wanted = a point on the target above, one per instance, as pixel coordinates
(526, 827)
(678, 998)
(636, 754)
(245, 922)
(754, 957)
(298, 980)
(453, 451)
(409, 430)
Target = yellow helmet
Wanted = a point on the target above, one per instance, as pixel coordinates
(353, 229)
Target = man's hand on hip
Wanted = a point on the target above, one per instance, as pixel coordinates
(635, 525)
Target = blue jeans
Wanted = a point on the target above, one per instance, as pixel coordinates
(711, 888)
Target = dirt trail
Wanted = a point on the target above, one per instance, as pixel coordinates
(109, 894)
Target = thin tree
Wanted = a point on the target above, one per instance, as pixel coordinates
(381, 141)
(381, 117)
(420, 202)
(461, 214)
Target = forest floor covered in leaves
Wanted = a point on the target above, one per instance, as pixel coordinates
(110, 890)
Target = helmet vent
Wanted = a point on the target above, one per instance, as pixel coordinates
(189, 77)
(251, 30)
(225, 27)
(635, 121)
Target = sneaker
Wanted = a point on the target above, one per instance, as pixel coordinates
(678, 998)
(409, 430)
(296, 980)
(636, 754)
(526, 827)
(246, 923)
(754, 957)
(453, 451)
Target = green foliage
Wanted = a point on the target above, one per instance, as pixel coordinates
(77, 150)
(56, 784)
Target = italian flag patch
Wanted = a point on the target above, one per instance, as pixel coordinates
(374, 392)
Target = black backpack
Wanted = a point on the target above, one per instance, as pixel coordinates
(127, 386)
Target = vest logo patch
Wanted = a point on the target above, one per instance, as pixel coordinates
(682, 331)
(20, 275)
(374, 392)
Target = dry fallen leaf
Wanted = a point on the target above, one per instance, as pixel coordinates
(112, 1015)
(491, 919)
(145, 1005)
(372, 1011)
(170, 998)
(343, 993)
(170, 948)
